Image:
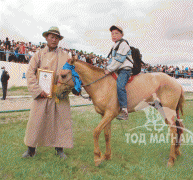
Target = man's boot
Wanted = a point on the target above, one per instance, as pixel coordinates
(60, 152)
(31, 152)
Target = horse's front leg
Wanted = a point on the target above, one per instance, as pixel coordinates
(107, 118)
(97, 151)
(107, 132)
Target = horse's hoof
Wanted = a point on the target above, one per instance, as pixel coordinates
(170, 162)
(97, 162)
(178, 153)
(107, 157)
(100, 160)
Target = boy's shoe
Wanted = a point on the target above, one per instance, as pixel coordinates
(122, 115)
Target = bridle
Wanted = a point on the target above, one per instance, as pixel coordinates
(66, 81)
(71, 88)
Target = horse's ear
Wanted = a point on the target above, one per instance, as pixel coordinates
(69, 61)
(72, 60)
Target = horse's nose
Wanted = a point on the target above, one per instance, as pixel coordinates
(63, 76)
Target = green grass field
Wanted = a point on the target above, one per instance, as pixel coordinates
(129, 160)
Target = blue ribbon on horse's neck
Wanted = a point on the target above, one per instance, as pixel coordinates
(75, 77)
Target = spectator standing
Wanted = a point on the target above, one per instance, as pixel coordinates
(30, 45)
(13, 44)
(17, 44)
(149, 69)
(143, 70)
(100, 65)
(7, 44)
(22, 53)
(7, 48)
(79, 55)
(31, 53)
(176, 72)
(4, 82)
(17, 53)
(89, 58)
(94, 60)
(27, 56)
(191, 70)
(2, 54)
(83, 58)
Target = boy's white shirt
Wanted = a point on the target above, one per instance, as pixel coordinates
(124, 48)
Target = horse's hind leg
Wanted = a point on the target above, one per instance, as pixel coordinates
(169, 116)
(173, 136)
(176, 129)
(170, 120)
(180, 127)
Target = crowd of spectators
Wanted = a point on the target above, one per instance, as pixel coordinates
(21, 52)
(174, 71)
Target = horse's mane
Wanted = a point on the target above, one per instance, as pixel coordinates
(90, 66)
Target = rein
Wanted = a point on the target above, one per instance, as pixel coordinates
(95, 80)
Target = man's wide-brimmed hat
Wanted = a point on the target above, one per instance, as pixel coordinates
(118, 28)
(53, 30)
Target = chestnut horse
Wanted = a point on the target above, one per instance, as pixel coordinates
(103, 92)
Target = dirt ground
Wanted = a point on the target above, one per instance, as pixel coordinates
(18, 103)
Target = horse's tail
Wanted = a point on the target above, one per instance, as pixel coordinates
(180, 104)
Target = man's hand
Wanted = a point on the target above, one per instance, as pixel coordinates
(43, 95)
(107, 72)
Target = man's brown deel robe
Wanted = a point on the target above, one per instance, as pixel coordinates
(50, 123)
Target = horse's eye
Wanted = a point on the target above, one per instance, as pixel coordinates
(63, 76)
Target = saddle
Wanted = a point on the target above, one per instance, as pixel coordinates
(115, 76)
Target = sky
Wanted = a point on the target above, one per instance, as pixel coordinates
(161, 29)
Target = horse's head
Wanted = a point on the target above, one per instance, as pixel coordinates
(65, 82)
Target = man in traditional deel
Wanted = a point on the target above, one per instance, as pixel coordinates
(50, 122)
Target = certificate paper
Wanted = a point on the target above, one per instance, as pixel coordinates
(46, 80)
